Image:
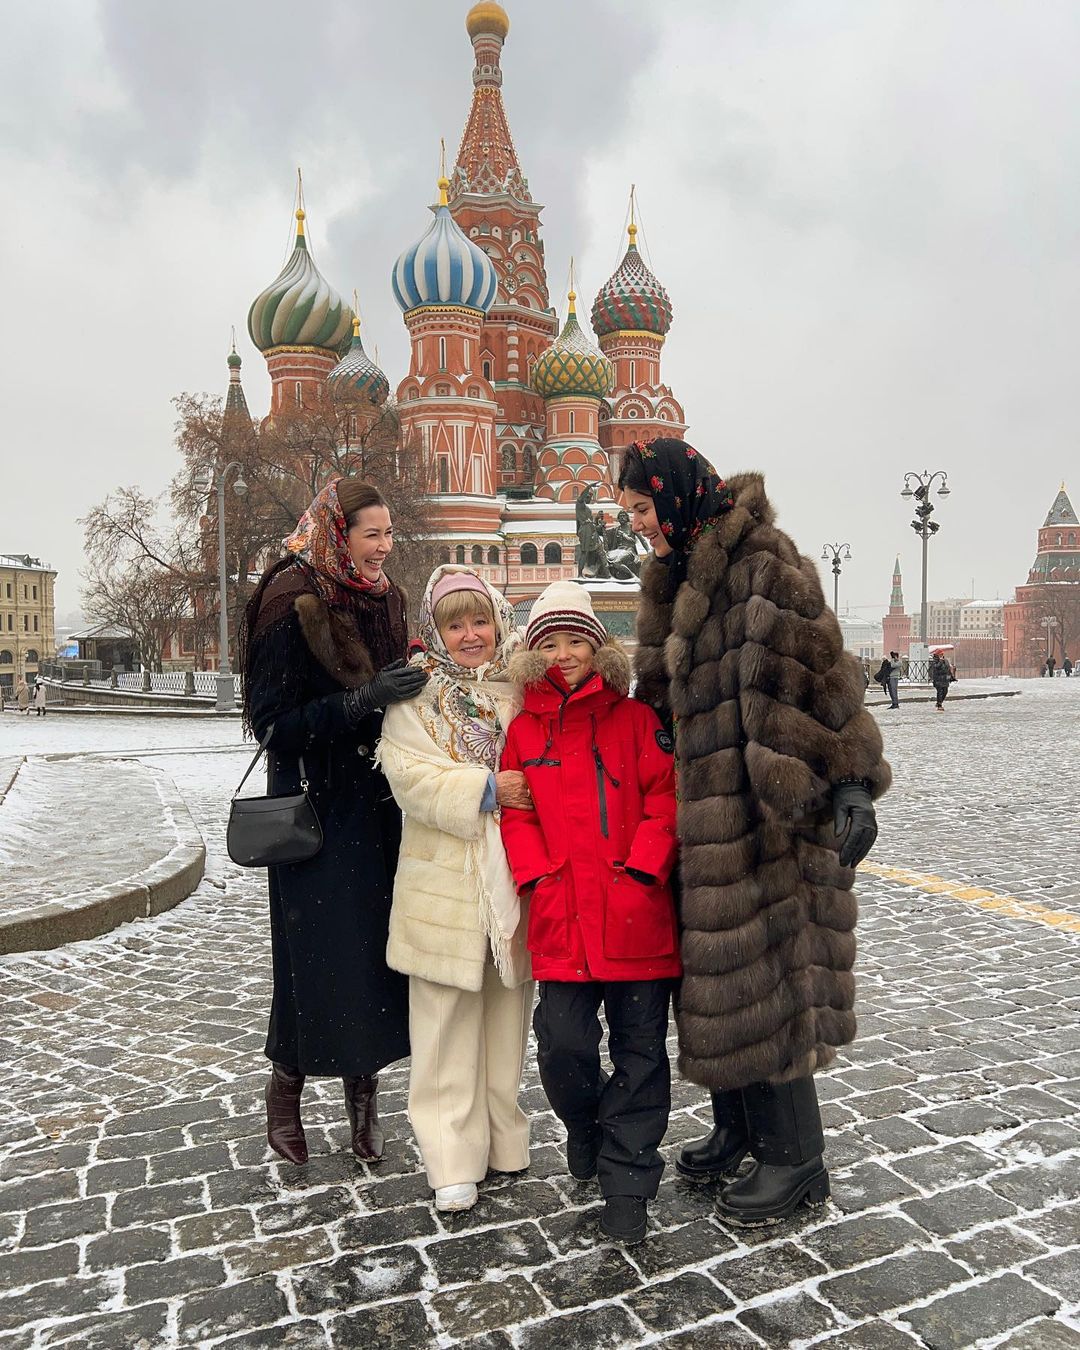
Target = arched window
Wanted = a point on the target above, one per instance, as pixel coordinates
(6, 658)
(528, 555)
(477, 553)
(509, 459)
(414, 393)
(493, 557)
(32, 657)
(528, 460)
(486, 367)
(571, 421)
(553, 553)
(459, 553)
(444, 474)
(633, 374)
(442, 353)
(299, 394)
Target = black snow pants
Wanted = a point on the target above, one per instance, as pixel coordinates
(630, 1108)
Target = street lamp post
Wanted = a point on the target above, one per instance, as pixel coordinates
(834, 552)
(208, 479)
(923, 526)
(996, 632)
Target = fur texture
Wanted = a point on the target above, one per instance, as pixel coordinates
(611, 663)
(769, 715)
(334, 643)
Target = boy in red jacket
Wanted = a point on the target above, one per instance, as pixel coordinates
(595, 854)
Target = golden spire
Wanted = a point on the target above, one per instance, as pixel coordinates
(356, 314)
(632, 228)
(444, 182)
(301, 214)
(573, 294)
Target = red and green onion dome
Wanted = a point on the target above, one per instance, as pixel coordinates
(632, 300)
(357, 376)
(299, 308)
(572, 367)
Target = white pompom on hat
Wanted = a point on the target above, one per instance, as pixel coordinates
(564, 607)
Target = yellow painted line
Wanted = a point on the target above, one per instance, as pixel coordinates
(1007, 906)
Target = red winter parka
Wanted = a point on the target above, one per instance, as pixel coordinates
(601, 773)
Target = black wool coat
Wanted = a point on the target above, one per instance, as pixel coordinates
(768, 711)
(337, 1007)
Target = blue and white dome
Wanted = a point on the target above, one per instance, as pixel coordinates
(445, 267)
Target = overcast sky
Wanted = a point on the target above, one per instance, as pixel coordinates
(867, 213)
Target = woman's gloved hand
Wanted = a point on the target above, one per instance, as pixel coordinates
(394, 684)
(853, 814)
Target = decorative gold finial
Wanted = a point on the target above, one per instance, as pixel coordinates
(573, 294)
(356, 313)
(301, 214)
(632, 228)
(444, 184)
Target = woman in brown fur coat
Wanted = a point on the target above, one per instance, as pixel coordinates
(322, 650)
(778, 765)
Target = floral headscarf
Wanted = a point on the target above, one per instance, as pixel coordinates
(459, 713)
(320, 540)
(687, 492)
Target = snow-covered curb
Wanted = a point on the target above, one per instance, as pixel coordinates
(99, 909)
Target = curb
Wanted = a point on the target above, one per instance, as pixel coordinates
(953, 698)
(126, 710)
(90, 913)
(5, 788)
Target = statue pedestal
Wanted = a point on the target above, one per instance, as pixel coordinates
(616, 605)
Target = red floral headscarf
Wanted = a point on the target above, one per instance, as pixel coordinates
(687, 492)
(320, 541)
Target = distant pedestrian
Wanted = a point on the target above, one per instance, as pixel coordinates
(942, 675)
(892, 687)
(39, 698)
(22, 695)
(1067, 667)
(882, 676)
(1051, 662)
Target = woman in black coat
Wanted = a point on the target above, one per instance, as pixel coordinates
(322, 644)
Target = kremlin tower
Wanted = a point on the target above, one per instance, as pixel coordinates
(896, 625)
(1052, 590)
(514, 418)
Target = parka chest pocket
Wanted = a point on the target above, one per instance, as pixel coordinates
(638, 919)
(548, 933)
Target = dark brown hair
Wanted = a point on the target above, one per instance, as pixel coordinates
(355, 495)
(632, 475)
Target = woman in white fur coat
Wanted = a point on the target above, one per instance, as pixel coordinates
(456, 926)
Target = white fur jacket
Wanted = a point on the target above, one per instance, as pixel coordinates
(451, 861)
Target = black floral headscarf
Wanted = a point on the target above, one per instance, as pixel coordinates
(688, 494)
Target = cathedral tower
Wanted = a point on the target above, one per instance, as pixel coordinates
(896, 625)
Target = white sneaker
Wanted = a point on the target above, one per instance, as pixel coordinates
(456, 1197)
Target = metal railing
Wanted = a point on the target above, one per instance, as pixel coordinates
(194, 684)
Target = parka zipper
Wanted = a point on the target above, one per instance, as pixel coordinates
(602, 772)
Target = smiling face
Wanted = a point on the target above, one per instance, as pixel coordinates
(643, 521)
(571, 653)
(469, 636)
(370, 538)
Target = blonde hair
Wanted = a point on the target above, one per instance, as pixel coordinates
(462, 605)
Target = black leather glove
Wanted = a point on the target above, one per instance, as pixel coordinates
(392, 685)
(853, 814)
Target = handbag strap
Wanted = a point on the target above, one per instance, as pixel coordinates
(259, 754)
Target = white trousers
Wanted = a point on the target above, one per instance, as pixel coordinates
(468, 1052)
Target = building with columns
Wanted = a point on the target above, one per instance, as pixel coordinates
(27, 617)
(515, 415)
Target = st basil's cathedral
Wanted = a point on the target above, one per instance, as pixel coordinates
(515, 414)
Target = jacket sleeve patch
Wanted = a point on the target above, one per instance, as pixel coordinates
(665, 742)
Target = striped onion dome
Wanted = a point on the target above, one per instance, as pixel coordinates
(632, 299)
(572, 366)
(299, 308)
(356, 375)
(444, 267)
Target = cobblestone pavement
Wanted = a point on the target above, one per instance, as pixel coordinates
(139, 1206)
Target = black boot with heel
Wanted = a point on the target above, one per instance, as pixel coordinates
(362, 1108)
(284, 1129)
(787, 1142)
(721, 1151)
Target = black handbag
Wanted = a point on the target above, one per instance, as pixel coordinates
(266, 831)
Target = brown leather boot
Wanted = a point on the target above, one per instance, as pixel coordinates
(361, 1103)
(284, 1129)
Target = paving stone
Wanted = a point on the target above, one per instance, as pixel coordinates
(945, 1166)
(865, 1238)
(489, 1306)
(140, 1145)
(955, 1321)
(1037, 1187)
(721, 1334)
(36, 1162)
(996, 1248)
(667, 1305)
(132, 1247)
(32, 1266)
(387, 1229)
(893, 1135)
(891, 1284)
(235, 1308)
(868, 1185)
(695, 1244)
(108, 1178)
(309, 1211)
(141, 1329)
(750, 1276)
(31, 1192)
(54, 1223)
(1041, 1139)
(957, 1210)
(57, 1298)
(163, 1117)
(789, 1319)
(357, 1279)
(464, 1259)
(1033, 1104)
(302, 1335)
(402, 1324)
(607, 1327)
(184, 1163)
(604, 1273)
(214, 1229)
(1060, 1273)
(1057, 1227)
(1042, 1334)
(874, 1335)
(168, 1279)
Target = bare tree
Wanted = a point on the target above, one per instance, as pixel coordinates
(1059, 602)
(150, 601)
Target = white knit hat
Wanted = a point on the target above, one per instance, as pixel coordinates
(564, 607)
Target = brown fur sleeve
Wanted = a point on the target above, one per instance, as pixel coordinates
(653, 627)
